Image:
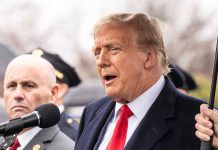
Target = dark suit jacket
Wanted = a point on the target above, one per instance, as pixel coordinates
(168, 125)
(50, 139)
(70, 128)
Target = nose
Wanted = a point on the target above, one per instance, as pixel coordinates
(18, 94)
(103, 59)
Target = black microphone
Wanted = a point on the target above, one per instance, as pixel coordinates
(44, 116)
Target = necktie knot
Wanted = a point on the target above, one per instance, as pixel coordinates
(15, 145)
(125, 112)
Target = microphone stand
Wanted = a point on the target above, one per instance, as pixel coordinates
(7, 141)
(12, 129)
(208, 145)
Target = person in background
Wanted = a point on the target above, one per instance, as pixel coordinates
(207, 125)
(66, 77)
(30, 82)
(143, 110)
(181, 79)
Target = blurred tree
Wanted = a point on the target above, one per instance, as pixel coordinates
(184, 26)
(57, 27)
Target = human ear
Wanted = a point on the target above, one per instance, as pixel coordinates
(151, 57)
(54, 92)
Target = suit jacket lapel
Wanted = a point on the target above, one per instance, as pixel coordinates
(44, 135)
(102, 133)
(153, 126)
(93, 129)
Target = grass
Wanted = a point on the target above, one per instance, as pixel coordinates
(203, 90)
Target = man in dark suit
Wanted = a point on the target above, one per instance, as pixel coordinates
(29, 82)
(143, 110)
(66, 77)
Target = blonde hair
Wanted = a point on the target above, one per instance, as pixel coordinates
(147, 32)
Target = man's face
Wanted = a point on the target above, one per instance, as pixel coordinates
(120, 63)
(25, 88)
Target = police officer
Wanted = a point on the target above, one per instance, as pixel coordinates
(66, 78)
(181, 79)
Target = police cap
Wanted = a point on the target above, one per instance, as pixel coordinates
(64, 72)
(181, 78)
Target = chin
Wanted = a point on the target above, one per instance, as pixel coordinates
(111, 93)
(17, 115)
(114, 95)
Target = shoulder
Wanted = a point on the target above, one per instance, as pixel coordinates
(64, 140)
(180, 103)
(187, 105)
(181, 98)
(69, 125)
(68, 120)
(60, 140)
(97, 106)
(187, 100)
(50, 139)
(99, 103)
(101, 107)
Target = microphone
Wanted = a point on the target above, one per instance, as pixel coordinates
(44, 116)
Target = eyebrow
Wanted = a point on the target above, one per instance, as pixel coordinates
(107, 44)
(95, 48)
(22, 82)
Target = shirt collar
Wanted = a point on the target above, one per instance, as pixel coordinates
(141, 104)
(27, 136)
(61, 108)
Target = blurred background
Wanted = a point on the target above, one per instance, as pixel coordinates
(64, 27)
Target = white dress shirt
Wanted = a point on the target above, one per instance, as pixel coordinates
(26, 137)
(139, 107)
(61, 108)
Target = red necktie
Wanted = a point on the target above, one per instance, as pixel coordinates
(118, 139)
(15, 145)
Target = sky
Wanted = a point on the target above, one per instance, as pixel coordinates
(64, 27)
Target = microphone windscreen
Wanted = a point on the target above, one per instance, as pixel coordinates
(49, 115)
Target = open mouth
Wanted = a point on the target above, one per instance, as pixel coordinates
(109, 78)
